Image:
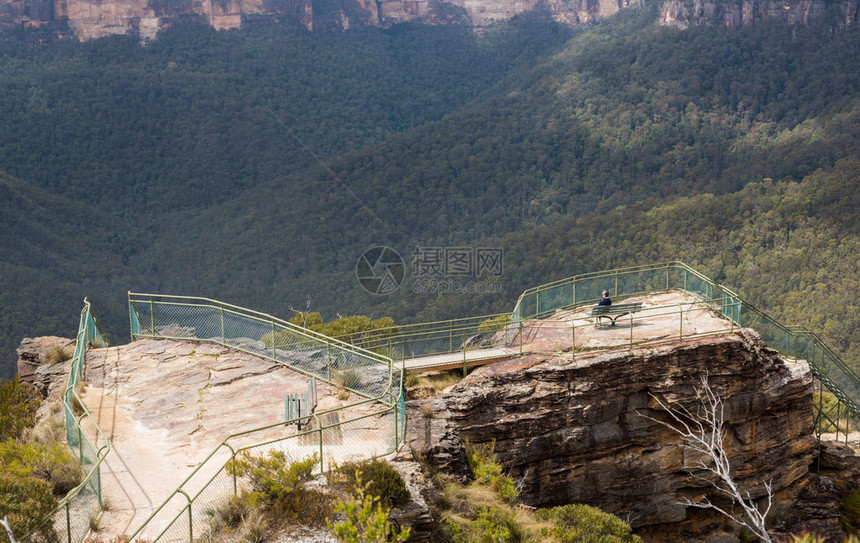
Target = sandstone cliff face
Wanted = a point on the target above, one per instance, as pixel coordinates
(737, 13)
(579, 432)
(89, 19)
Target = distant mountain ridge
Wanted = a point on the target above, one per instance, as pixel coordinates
(91, 19)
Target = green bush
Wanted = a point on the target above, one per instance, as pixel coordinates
(17, 409)
(384, 482)
(51, 462)
(577, 523)
(25, 501)
(494, 325)
(487, 470)
(492, 526)
(366, 520)
(279, 487)
(272, 475)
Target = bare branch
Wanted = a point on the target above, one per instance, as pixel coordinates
(705, 433)
(5, 524)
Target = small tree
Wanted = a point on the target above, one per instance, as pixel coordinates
(704, 432)
(366, 520)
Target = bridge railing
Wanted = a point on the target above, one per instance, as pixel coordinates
(586, 289)
(70, 519)
(413, 341)
(334, 435)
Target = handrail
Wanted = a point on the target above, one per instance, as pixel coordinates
(260, 324)
(138, 302)
(734, 308)
(263, 317)
(89, 332)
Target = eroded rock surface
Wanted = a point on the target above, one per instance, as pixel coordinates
(583, 431)
(431, 436)
(35, 368)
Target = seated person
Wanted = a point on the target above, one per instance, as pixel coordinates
(606, 300)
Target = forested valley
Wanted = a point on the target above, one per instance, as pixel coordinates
(255, 166)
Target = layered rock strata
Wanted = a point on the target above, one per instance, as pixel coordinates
(89, 19)
(587, 431)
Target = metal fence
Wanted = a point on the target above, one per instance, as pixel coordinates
(537, 324)
(71, 519)
(826, 366)
(333, 435)
(536, 311)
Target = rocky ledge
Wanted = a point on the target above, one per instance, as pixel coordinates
(586, 430)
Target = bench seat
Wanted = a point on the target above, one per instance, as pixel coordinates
(614, 311)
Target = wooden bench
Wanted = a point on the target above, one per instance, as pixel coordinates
(618, 310)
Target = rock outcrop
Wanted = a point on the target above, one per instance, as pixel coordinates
(738, 13)
(431, 436)
(40, 368)
(586, 431)
(89, 19)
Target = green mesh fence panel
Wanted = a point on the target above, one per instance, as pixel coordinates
(540, 301)
(70, 520)
(357, 369)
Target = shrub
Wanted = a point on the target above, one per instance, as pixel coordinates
(487, 470)
(366, 520)
(238, 514)
(851, 507)
(51, 462)
(228, 513)
(279, 487)
(585, 524)
(384, 482)
(494, 324)
(806, 538)
(17, 409)
(272, 475)
(25, 501)
(307, 319)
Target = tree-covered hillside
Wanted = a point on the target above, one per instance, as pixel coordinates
(255, 166)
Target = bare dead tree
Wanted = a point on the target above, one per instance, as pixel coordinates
(303, 314)
(5, 524)
(704, 432)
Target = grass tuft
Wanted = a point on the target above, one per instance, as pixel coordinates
(57, 354)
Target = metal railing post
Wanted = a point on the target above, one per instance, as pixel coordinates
(667, 276)
(521, 338)
(274, 353)
(465, 365)
(151, 317)
(631, 331)
(68, 524)
(223, 337)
